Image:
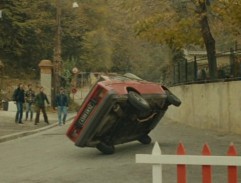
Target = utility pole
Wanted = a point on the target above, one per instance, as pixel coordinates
(57, 51)
(58, 63)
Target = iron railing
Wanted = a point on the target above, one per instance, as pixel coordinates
(196, 70)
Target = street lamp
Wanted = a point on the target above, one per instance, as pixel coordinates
(57, 50)
(75, 5)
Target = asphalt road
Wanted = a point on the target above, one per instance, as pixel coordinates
(49, 157)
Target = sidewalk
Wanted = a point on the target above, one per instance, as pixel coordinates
(10, 130)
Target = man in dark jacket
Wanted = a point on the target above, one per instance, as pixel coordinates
(62, 103)
(40, 100)
(18, 97)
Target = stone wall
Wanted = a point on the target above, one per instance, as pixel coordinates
(209, 106)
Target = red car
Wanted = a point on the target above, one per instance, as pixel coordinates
(120, 109)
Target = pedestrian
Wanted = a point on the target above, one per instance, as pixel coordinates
(29, 99)
(18, 97)
(62, 103)
(40, 100)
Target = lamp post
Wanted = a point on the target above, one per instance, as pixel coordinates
(58, 64)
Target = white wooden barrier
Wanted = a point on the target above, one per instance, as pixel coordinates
(157, 159)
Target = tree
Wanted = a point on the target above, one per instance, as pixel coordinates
(28, 29)
(130, 53)
(209, 41)
(98, 35)
(21, 34)
(97, 51)
(101, 34)
(181, 26)
(228, 13)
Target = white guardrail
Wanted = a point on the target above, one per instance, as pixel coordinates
(157, 159)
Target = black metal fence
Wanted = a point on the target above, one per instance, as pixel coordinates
(196, 70)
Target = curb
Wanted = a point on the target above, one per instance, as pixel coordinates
(29, 132)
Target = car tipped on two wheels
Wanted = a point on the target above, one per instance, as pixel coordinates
(120, 109)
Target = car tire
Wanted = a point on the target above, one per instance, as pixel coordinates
(145, 139)
(138, 102)
(105, 149)
(172, 99)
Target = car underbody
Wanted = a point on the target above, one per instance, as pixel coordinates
(109, 118)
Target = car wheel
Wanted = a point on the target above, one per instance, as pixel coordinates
(172, 99)
(145, 139)
(105, 149)
(137, 101)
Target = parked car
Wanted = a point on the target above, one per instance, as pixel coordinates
(120, 109)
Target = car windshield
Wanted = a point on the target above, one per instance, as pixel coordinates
(125, 77)
(132, 76)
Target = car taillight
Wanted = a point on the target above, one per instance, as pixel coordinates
(101, 94)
